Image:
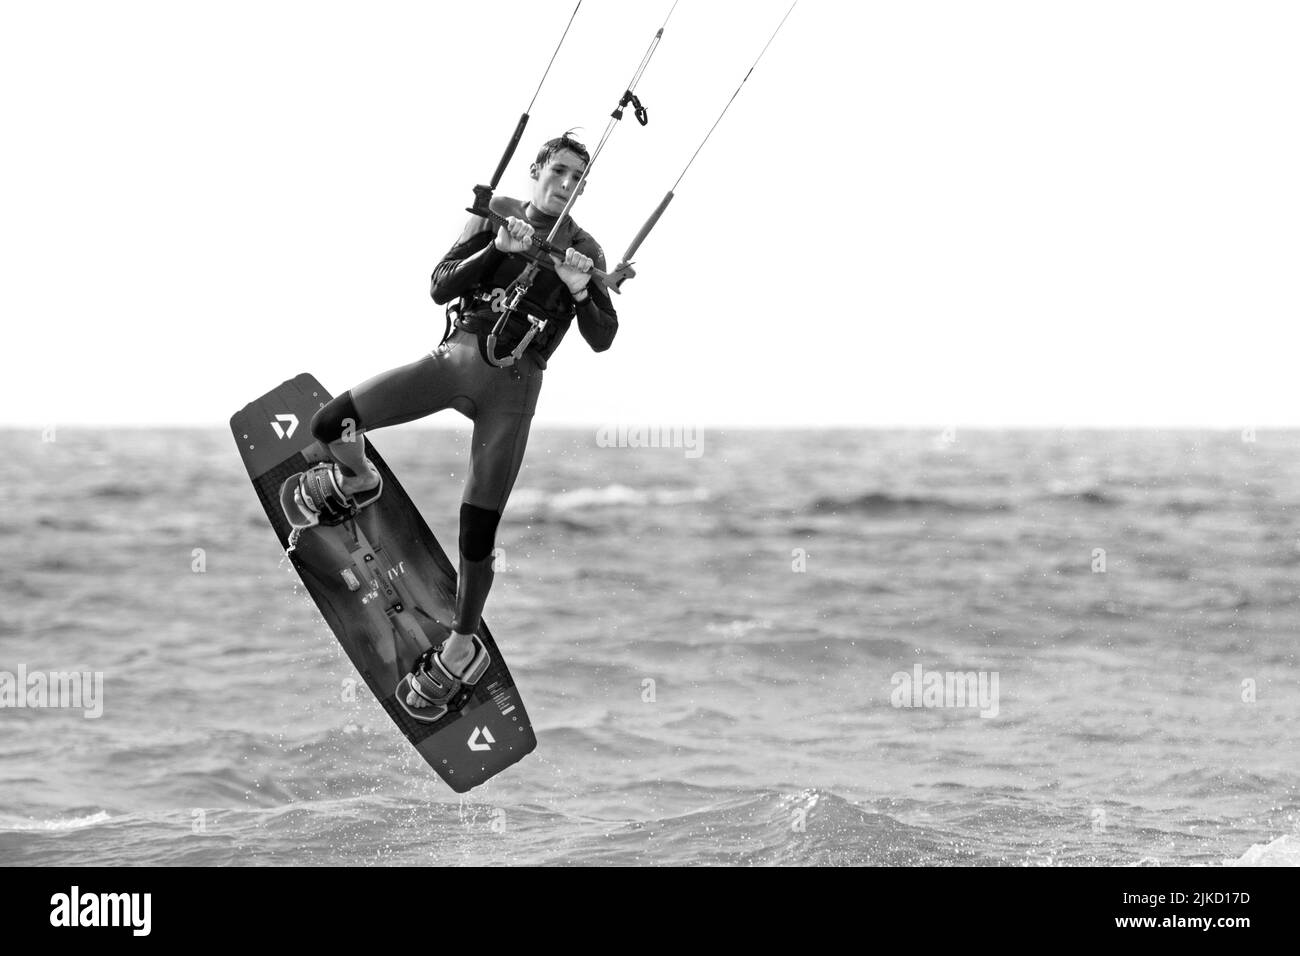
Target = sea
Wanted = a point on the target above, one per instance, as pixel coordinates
(738, 647)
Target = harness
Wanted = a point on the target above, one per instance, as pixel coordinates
(521, 329)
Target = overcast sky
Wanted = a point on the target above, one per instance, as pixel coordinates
(916, 213)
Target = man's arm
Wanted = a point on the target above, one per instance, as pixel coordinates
(597, 320)
(474, 255)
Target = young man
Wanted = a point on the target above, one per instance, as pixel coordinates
(479, 270)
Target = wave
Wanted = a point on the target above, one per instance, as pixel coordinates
(122, 492)
(810, 827)
(66, 823)
(882, 503)
(608, 496)
(1083, 494)
(1098, 498)
(1183, 504)
(1284, 851)
(704, 719)
(738, 628)
(659, 820)
(68, 523)
(1209, 782)
(563, 523)
(55, 562)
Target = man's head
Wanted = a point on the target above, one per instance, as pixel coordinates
(555, 174)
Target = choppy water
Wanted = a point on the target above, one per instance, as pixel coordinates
(1128, 729)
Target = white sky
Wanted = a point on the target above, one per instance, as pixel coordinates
(916, 213)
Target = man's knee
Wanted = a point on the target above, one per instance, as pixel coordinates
(478, 531)
(328, 424)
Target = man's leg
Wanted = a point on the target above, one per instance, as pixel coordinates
(399, 395)
(501, 405)
(496, 455)
(338, 426)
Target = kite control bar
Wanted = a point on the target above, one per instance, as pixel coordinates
(483, 195)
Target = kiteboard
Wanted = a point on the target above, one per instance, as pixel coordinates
(386, 588)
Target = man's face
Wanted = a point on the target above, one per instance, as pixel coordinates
(555, 181)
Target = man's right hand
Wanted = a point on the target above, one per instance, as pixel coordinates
(515, 236)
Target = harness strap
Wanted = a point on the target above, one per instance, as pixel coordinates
(477, 318)
(452, 312)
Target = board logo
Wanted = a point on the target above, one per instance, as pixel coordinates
(291, 421)
(487, 736)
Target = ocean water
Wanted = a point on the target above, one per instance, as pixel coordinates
(711, 642)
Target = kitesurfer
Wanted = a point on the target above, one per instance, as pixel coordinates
(478, 271)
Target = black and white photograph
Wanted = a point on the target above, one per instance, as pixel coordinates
(683, 434)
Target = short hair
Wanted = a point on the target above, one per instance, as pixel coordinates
(553, 146)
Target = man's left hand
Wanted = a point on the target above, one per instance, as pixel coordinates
(574, 271)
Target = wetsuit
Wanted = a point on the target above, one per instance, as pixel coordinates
(477, 273)
(500, 401)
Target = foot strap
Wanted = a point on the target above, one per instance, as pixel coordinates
(320, 494)
(430, 680)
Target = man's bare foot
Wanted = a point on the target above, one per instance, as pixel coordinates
(457, 654)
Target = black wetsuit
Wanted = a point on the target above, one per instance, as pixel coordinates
(476, 272)
(500, 401)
